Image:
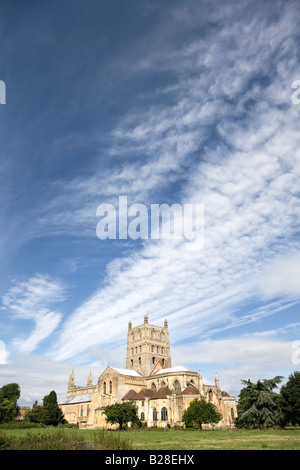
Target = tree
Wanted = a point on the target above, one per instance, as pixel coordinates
(49, 413)
(121, 413)
(9, 395)
(7, 410)
(259, 405)
(11, 391)
(200, 412)
(290, 400)
(52, 414)
(35, 415)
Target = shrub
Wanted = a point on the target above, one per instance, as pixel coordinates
(5, 441)
(20, 424)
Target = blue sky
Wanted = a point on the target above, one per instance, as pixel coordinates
(162, 102)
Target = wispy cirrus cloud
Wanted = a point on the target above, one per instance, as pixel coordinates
(240, 99)
(30, 300)
(246, 176)
(242, 237)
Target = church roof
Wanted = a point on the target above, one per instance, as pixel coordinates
(145, 393)
(172, 369)
(130, 395)
(81, 398)
(130, 372)
(163, 392)
(190, 390)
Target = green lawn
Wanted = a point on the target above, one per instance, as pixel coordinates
(191, 439)
(215, 439)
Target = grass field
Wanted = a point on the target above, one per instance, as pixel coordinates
(215, 440)
(234, 439)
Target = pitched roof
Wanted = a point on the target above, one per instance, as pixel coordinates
(130, 395)
(163, 392)
(158, 366)
(172, 369)
(80, 398)
(144, 393)
(190, 390)
(130, 372)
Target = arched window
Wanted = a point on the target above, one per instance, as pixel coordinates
(163, 384)
(132, 351)
(163, 362)
(179, 413)
(210, 395)
(152, 334)
(154, 414)
(104, 388)
(131, 362)
(110, 387)
(153, 360)
(142, 416)
(157, 349)
(162, 350)
(177, 388)
(153, 387)
(164, 414)
(140, 360)
(152, 348)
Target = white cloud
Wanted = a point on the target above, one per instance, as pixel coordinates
(282, 278)
(3, 353)
(251, 356)
(259, 349)
(38, 376)
(44, 326)
(29, 300)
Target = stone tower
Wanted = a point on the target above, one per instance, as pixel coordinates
(90, 380)
(146, 346)
(71, 383)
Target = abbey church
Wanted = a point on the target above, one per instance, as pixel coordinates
(161, 392)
